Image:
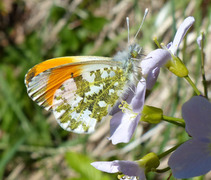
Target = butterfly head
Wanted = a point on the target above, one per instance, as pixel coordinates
(130, 56)
(135, 51)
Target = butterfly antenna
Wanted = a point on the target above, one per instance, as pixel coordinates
(142, 22)
(128, 30)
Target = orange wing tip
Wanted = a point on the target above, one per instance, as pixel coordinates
(42, 87)
(48, 64)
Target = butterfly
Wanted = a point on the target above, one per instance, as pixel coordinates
(81, 91)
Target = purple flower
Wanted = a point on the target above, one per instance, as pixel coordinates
(129, 169)
(123, 124)
(193, 158)
(157, 58)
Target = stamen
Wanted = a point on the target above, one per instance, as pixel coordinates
(125, 107)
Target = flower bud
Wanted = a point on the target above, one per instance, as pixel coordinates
(151, 114)
(176, 66)
(149, 162)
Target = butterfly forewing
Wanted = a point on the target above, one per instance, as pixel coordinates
(57, 62)
(43, 79)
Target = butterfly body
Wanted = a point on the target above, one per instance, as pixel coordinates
(81, 90)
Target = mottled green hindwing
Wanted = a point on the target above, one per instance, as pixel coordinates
(83, 101)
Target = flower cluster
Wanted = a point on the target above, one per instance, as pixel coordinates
(190, 159)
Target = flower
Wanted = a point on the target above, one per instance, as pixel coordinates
(193, 158)
(123, 124)
(176, 66)
(129, 169)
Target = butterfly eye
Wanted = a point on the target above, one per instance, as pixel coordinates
(135, 50)
(134, 54)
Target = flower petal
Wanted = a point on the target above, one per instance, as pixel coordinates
(152, 78)
(106, 166)
(183, 28)
(139, 97)
(156, 58)
(122, 127)
(131, 168)
(193, 158)
(197, 115)
(128, 168)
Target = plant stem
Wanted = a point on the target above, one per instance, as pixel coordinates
(160, 156)
(193, 85)
(162, 170)
(202, 67)
(173, 120)
(168, 151)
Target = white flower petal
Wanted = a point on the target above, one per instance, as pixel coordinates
(122, 127)
(187, 23)
(156, 58)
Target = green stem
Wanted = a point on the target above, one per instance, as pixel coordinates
(160, 156)
(202, 67)
(193, 85)
(173, 120)
(162, 170)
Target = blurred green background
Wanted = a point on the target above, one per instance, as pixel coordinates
(32, 145)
